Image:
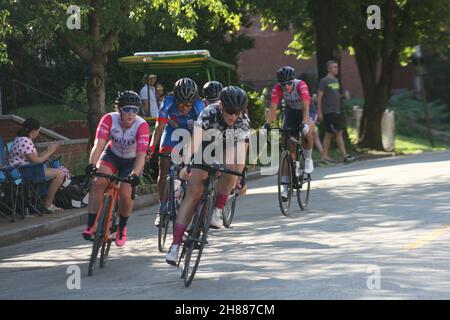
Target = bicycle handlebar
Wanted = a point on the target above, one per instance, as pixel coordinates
(218, 168)
(113, 178)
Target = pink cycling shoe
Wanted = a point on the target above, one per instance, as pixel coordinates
(121, 237)
(87, 233)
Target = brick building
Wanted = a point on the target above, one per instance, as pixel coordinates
(257, 66)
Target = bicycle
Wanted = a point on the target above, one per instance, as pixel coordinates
(106, 221)
(197, 235)
(230, 205)
(174, 196)
(301, 183)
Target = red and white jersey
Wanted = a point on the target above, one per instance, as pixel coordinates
(124, 142)
(294, 99)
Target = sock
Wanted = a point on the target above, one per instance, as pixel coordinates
(308, 153)
(122, 222)
(178, 233)
(284, 179)
(221, 199)
(91, 219)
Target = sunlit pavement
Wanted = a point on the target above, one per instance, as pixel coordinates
(375, 229)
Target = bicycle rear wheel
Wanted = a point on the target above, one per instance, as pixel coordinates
(228, 210)
(196, 240)
(164, 220)
(303, 185)
(99, 235)
(286, 167)
(104, 253)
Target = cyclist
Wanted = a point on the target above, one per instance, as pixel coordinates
(226, 114)
(296, 96)
(128, 136)
(179, 110)
(211, 91)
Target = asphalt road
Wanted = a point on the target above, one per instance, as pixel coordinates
(376, 229)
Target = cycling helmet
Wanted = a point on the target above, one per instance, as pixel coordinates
(285, 74)
(233, 99)
(127, 98)
(185, 90)
(211, 90)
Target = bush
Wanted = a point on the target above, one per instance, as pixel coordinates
(257, 108)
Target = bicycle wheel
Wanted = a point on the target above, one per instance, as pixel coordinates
(303, 185)
(285, 166)
(104, 253)
(99, 235)
(228, 210)
(164, 220)
(196, 240)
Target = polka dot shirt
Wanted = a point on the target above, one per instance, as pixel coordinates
(20, 148)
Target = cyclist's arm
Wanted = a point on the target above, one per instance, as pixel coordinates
(303, 91)
(142, 137)
(274, 101)
(156, 137)
(101, 137)
(99, 146)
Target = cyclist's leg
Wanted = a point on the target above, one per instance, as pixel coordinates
(125, 168)
(187, 208)
(166, 147)
(96, 194)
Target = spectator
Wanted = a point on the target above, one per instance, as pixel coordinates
(24, 152)
(313, 118)
(160, 92)
(149, 97)
(328, 109)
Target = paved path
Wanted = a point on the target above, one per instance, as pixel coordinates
(387, 217)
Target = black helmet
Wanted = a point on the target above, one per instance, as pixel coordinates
(285, 74)
(128, 98)
(233, 99)
(185, 90)
(211, 90)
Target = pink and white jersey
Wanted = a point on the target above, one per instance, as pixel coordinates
(125, 142)
(293, 99)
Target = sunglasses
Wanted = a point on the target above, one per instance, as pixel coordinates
(287, 83)
(130, 109)
(184, 105)
(232, 112)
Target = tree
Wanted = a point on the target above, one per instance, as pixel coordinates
(5, 30)
(404, 23)
(102, 21)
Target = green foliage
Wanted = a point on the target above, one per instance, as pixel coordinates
(257, 108)
(76, 95)
(5, 30)
(50, 114)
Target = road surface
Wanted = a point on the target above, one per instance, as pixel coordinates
(377, 229)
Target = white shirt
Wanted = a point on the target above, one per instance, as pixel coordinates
(153, 103)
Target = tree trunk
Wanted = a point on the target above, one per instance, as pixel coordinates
(96, 94)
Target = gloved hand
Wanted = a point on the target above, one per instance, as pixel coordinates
(90, 170)
(134, 180)
(266, 126)
(305, 129)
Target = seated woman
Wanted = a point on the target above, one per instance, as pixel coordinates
(23, 152)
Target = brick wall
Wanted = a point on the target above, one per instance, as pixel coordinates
(72, 151)
(9, 128)
(257, 66)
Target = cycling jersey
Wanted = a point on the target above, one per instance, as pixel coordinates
(211, 118)
(124, 142)
(172, 117)
(295, 98)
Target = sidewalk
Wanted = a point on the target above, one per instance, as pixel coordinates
(38, 226)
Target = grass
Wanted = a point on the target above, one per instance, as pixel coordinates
(50, 114)
(406, 144)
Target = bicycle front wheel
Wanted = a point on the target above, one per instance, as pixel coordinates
(99, 235)
(228, 210)
(164, 220)
(104, 253)
(285, 170)
(196, 240)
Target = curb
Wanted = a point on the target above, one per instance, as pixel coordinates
(78, 217)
